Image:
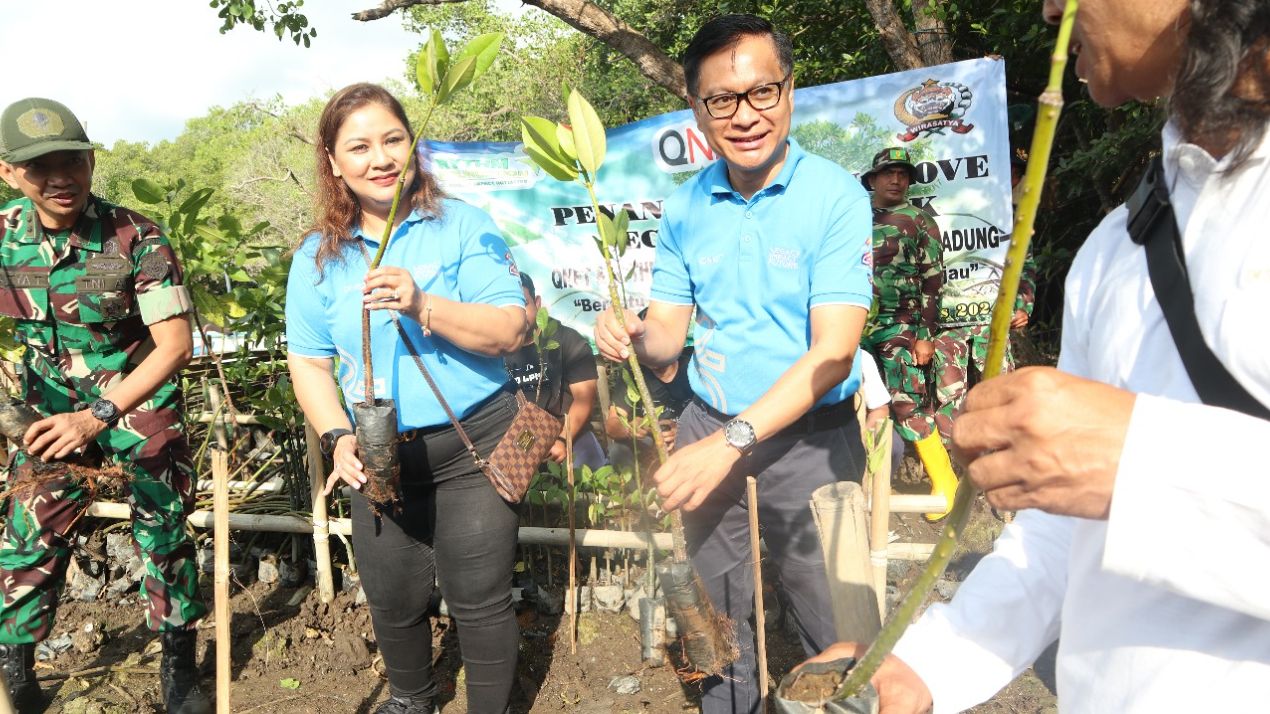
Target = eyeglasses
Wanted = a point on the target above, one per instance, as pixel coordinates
(761, 98)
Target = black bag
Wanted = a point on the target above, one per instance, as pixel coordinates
(1152, 224)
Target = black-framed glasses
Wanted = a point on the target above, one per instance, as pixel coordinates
(762, 98)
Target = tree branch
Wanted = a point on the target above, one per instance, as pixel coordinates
(935, 44)
(388, 7)
(591, 20)
(896, 38)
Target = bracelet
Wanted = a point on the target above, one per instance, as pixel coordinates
(427, 316)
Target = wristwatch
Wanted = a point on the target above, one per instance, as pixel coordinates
(327, 442)
(104, 410)
(740, 435)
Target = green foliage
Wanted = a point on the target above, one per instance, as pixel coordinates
(285, 18)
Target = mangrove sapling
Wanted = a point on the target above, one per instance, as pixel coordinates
(844, 685)
(439, 79)
(575, 152)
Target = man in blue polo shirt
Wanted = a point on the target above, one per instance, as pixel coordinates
(771, 245)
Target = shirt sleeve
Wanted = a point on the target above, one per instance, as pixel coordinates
(487, 273)
(843, 271)
(308, 333)
(1001, 619)
(156, 275)
(871, 385)
(671, 282)
(1185, 461)
(578, 360)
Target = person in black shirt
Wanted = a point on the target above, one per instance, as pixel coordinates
(563, 381)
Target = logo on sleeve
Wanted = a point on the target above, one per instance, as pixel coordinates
(511, 264)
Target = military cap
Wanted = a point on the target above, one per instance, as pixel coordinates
(885, 159)
(35, 126)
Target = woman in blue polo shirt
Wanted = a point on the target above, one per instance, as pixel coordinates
(449, 277)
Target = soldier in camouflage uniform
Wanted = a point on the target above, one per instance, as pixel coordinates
(908, 272)
(96, 294)
(961, 351)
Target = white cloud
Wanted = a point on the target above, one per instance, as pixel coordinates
(138, 70)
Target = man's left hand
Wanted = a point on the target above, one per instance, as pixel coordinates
(1039, 438)
(61, 434)
(692, 472)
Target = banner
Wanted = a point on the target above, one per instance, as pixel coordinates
(952, 118)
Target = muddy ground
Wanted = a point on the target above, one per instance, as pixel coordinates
(293, 654)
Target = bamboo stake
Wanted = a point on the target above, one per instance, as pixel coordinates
(573, 545)
(220, 536)
(321, 526)
(760, 615)
(880, 515)
(6, 704)
(1051, 104)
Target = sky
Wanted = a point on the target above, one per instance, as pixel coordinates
(138, 69)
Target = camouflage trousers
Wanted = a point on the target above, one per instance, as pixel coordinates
(913, 403)
(960, 355)
(38, 538)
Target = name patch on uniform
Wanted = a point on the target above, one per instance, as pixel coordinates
(108, 264)
(101, 283)
(24, 280)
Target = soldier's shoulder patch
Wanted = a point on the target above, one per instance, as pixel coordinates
(156, 266)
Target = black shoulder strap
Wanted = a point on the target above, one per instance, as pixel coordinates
(1152, 224)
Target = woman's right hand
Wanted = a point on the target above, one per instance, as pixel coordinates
(611, 340)
(348, 468)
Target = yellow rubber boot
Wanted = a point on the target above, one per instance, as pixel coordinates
(939, 468)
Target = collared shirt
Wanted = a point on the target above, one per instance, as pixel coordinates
(82, 300)
(460, 256)
(755, 269)
(1164, 606)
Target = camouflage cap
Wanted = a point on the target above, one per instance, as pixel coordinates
(885, 159)
(35, 126)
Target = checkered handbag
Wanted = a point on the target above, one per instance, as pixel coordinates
(522, 449)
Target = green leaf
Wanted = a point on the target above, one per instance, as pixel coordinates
(564, 139)
(541, 320)
(147, 191)
(551, 345)
(551, 165)
(484, 48)
(289, 683)
(423, 68)
(607, 231)
(456, 78)
(588, 133)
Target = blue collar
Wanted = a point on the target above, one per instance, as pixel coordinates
(414, 217)
(719, 185)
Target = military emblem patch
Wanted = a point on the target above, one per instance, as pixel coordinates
(155, 266)
(40, 123)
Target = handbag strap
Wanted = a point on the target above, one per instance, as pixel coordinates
(1153, 225)
(427, 377)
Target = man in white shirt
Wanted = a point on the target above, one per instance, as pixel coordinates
(1143, 548)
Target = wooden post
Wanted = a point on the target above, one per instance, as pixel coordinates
(880, 513)
(760, 615)
(838, 509)
(573, 545)
(6, 704)
(219, 427)
(220, 541)
(321, 527)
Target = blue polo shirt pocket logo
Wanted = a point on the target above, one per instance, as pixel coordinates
(785, 258)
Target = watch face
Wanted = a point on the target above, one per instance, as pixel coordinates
(739, 434)
(104, 410)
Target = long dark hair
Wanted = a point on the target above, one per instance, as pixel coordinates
(1221, 97)
(337, 208)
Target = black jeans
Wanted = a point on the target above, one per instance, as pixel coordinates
(453, 527)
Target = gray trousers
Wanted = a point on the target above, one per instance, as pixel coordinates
(788, 466)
